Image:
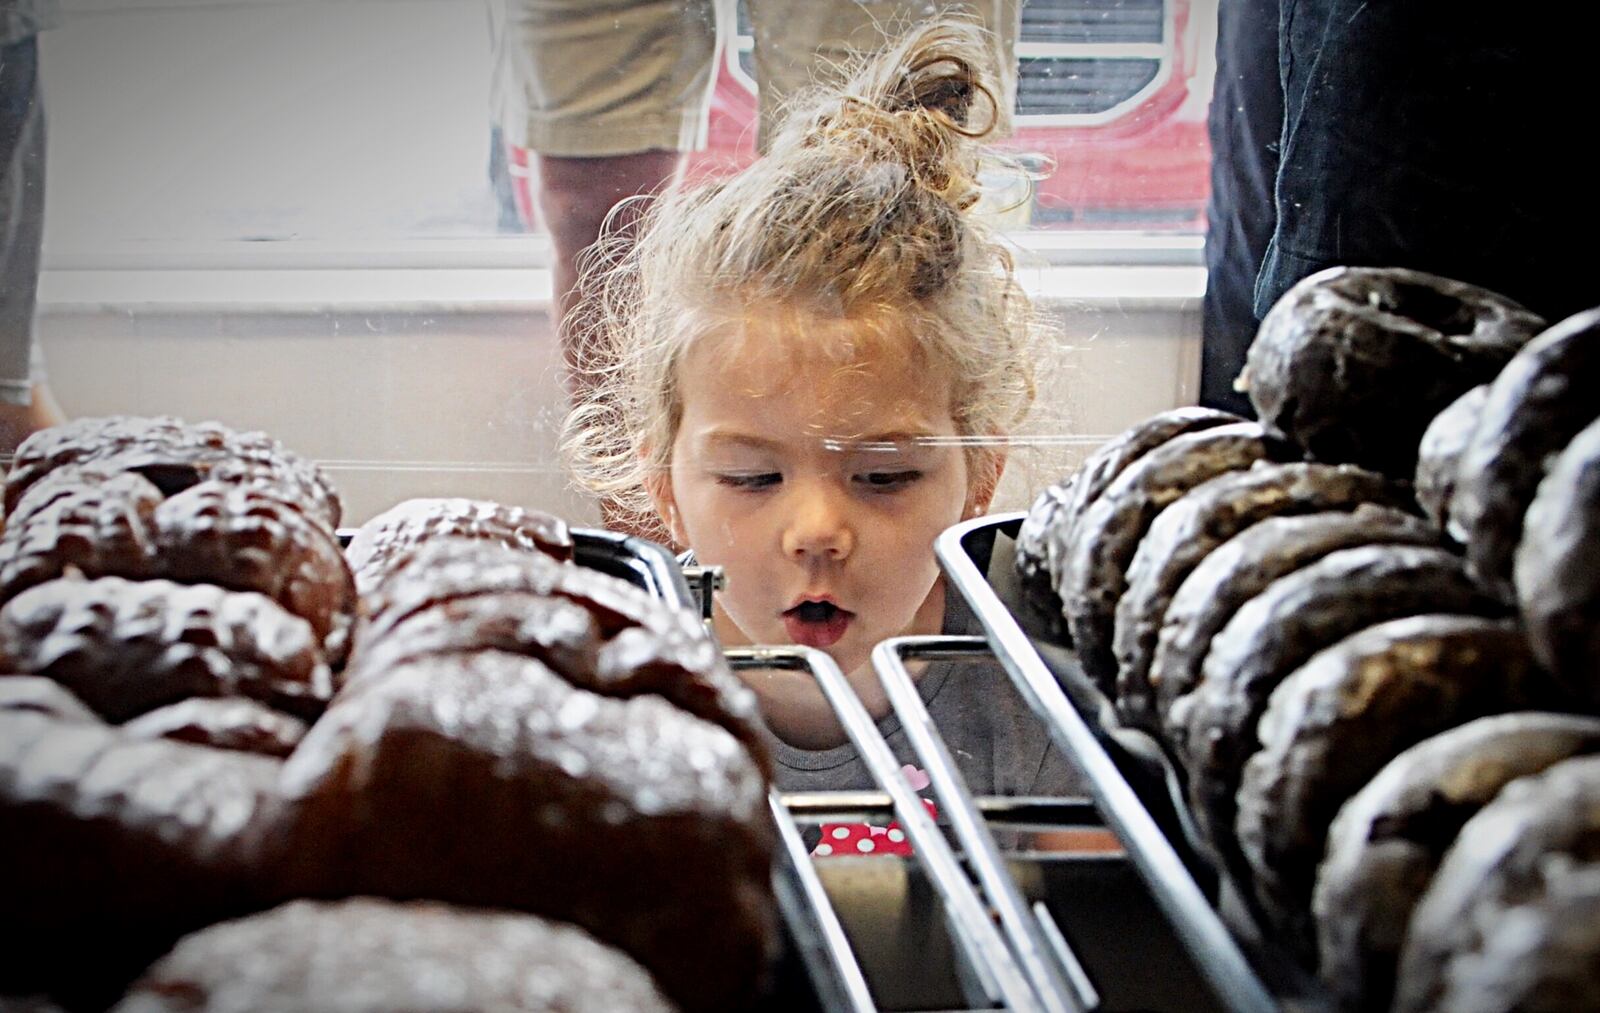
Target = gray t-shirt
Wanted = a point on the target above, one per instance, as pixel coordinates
(999, 744)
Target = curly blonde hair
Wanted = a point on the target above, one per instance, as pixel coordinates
(861, 209)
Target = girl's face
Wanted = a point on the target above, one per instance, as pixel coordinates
(811, 479)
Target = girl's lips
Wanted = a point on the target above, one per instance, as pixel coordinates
(811, 626)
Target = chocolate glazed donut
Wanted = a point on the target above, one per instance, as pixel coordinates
(370, 954)
(126, 647)
(555, 631)
(114, 848)
(1354, 362)
(1113, 457)
(221, 723)
(1185, 533)
(1242, 568)
(173, 455)
(100, 523)
(1439, 454)
(1387, 841)
(1276, 632)
(257, 538)
(1102, 468)
(1558, 566)
(628, 645)
(1036, 562)
(1336, 720)
(35, 694)
(1109, 532)
(486, 779)
(1511, 920)
(383, 545)
(1538, 403)
(238, 537)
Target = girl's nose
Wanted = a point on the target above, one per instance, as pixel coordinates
(819, 526)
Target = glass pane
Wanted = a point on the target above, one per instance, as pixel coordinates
(261, 121)
(267, 121)
(1111, 113)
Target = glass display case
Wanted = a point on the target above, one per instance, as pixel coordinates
(318, 610)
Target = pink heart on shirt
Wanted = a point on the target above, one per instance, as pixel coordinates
(918, 779)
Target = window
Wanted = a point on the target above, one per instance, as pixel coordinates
(278, 213)
(1111, 109)
(364, 123)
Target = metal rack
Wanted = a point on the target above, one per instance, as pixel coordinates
(1114, 762)
(1007, 950)
(988, 969)
(1056, 974)
(1010, 950)
(635, 560)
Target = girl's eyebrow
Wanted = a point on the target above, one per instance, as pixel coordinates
(719, 437)
(876, 443)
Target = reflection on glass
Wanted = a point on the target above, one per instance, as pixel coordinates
(260, 120)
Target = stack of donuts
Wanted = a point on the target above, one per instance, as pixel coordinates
(1366, 632)
(446, 768)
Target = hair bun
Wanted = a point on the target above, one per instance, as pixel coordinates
(939, 69)
(913, 104)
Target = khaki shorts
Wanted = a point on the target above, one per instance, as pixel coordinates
(612, 77)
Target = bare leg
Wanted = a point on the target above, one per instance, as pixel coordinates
(575, 195)
(18, 422)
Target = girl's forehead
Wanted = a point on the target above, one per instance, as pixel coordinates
(815, 372)
(774, 342)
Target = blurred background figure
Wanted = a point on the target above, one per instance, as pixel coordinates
(595, 101)
(1433, 137)
(1245, 121)
(26, 404)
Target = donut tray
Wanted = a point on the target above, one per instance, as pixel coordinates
(973, 966)
(1135, 786)
(963, 923)
(859, 934)
(635, 560)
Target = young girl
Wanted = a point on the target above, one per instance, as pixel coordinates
(806, 373)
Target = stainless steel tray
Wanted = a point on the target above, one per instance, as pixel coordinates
(963, 960)
(635, 560)
(963, 924)
(1135, 786)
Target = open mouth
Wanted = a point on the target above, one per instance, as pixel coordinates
(817, 623)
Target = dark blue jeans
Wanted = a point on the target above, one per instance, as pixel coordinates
(1435, 135)
(1246, 118)
(22, 148)
(1438, 136)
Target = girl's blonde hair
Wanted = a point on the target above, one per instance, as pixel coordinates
(860, 209)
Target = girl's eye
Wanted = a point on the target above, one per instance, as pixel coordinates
(757, 480)
(888, 481)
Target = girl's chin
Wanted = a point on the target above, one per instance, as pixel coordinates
(849, 658)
